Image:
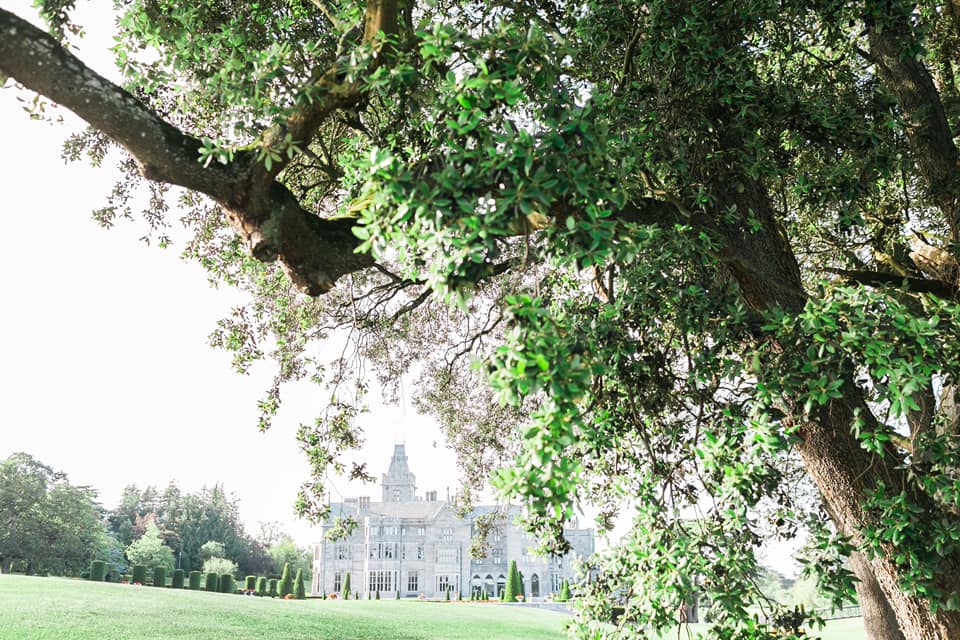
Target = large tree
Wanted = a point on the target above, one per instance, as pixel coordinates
(692, 246)
(47, 525)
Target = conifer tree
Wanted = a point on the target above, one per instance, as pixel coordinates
(345, 593)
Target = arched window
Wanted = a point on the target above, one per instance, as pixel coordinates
(534, 586)
(501, 584)
(488, 586)
(476, 585)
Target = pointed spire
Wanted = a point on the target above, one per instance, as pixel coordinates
(399, 485)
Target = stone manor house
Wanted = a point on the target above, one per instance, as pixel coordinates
(417, 545)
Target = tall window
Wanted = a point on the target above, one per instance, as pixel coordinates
(343, 552)
(337, 582)
(421, 531)
(380, 581)
(396, 495)
(447, 555)
(446, 534)
(382, 551)
(535, 586)
(446, 582)
(497, 556)
(419, 552)
(413, 581)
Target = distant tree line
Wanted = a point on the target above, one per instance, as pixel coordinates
(48, 526)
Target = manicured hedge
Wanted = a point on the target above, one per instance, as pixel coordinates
(98, 570)
(159, 576)
(262, 589)
(285, 586)
(196, 579)
(272, 584)
(250, 583)
(298, 590)
(227, 583)
(213, 582)
(139, 574)
(178, 579)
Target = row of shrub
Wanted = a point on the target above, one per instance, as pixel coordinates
(226, 583)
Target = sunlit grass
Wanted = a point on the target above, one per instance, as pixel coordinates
(60, 609)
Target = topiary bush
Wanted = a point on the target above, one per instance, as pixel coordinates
(196, 578)
(285, 586)
(262, 589)
(159, 576)
(213, 582)
(139, 574)
(250, 583)
(272, 584)
(227, 583)
(345, 592)
(564, 594)
(512, 589)
(178, 579)
(98, 570)
(299, 592)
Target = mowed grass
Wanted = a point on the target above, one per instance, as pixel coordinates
(60, 609)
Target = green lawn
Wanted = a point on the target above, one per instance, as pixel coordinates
(59, 609)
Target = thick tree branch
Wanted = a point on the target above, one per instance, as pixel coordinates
(917, 285)
(928, 132)
(164, 153)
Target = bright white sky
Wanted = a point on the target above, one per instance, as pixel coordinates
(105, 371)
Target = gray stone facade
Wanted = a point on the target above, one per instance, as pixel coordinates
(418, 546)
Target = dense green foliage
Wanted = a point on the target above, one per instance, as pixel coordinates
(703, 254)
(212, 582)
(49, 526)
(160, 576)
(261, 587)
(139, 575)
(284, 551)
(188, 521)
(250, 582)
(150, 550)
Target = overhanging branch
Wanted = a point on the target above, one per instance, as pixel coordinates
(163, 152)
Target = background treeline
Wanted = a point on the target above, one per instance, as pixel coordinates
(48, 526)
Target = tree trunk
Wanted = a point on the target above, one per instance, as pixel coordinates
(763, 264)
(844, 473)
(879, 619)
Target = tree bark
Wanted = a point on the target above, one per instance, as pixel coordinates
(764, 266)
(879, 619)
